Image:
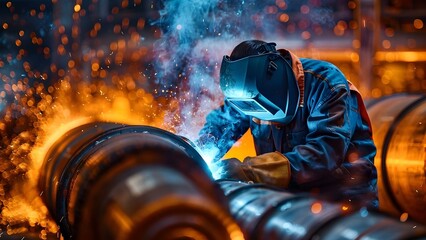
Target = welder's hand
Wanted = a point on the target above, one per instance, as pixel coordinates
(270, 168)
(232, 168)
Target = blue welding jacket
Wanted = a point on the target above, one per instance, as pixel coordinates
(328, 142)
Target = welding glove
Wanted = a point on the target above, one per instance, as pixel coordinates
(270, 168)
(232, 168)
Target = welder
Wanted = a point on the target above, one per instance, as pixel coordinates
(310, 127)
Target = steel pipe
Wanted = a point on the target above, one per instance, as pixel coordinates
(268, 213)
(399, 132)
(112, 181)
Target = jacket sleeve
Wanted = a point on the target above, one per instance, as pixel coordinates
(362, 150)
(223, 127)
(320, 160)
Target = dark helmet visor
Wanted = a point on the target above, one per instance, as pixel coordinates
(262, 86)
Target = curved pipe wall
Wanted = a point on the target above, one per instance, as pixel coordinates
(267, 213)
(111, 181)
(399, 132)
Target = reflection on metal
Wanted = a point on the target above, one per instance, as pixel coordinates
(399, 131)
(111, 181)
(267, 213)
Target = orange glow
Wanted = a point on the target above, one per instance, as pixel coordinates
(141, 23)
(61, 29)
(97, 26)
(46, 50)
(352, 4)
(100, 53)
(244, 147)
(386, 44)
(64, 39)
(135, 37)
(340, 28)
(390, 32)
(284, 17)
(113, 46)
(117, 28)
(124, 3)
(354, 57)
(61, 49)
(121, 44)
(95, 66)
(75, 31)
(305, 35)
(18, 208)
(63, 106)
(404, 56)
(93, 33)
(403, 217)
(316, 208)
(18, 42)
(77, 8)
(353, 157)
(115, 10)
(356, 43)
(418, 23)
(281, 4)
(71, 63)
(125, 22)
(61, 72)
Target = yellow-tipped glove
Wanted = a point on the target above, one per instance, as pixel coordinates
(270, 168)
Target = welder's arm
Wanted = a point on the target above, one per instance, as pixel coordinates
(223, 127)
(269, 168)
(319, 161)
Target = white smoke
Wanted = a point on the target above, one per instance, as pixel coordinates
(195, 36)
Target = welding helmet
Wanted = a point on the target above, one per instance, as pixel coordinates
(263, 86)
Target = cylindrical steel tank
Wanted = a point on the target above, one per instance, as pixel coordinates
(399, 132)
(113, 181)
(267, 213)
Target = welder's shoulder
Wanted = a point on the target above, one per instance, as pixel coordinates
(318, 66)
(324, 72)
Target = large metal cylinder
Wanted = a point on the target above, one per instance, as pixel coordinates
(267, 213)
(399, 132)
(112, 181)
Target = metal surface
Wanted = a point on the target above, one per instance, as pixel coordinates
(399, 132)
(267, 213)
(112, 181)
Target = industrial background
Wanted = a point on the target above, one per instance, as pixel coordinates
(76, 70)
